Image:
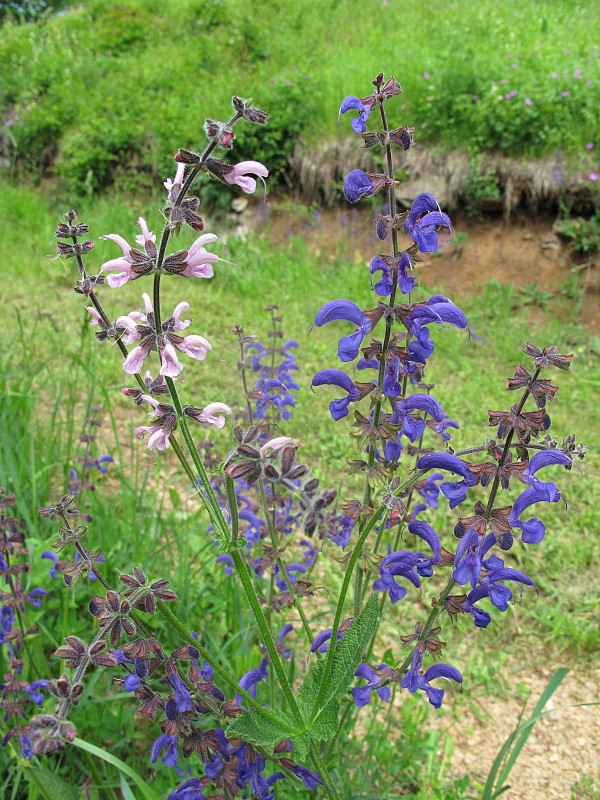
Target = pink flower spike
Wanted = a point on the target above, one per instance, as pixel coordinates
(171, 366)
(146, 235)
(194, 346)
(208, 414)
(593, 176)
(240, 171)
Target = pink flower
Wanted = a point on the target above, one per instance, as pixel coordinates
(207, 414)
(565, 94)
(593, 176)
(588, 83)
(555, 74)
(133, 263)
(528, 102)
(177, 181)
(198, 261)
(589, 146)
(240, 171)
(137, 326)
(426, 75)
(514, 66)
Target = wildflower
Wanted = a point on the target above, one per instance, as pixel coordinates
(188, 790)
(335, 377)
(414, 680)
(362, 694)
(364, 108)
(357, 185)
(137, 326)
(207, 414)
(593, 176)
(345, 310)
(168, 743)
(528, 102)
(402, 563)
(165, 422)
(590, 146)
(133, 263)
(533, 530)
(251, 679)
(181, 692)
(423, 220)
(238, 175)
(455, 492)
(310, 779)
(426, 75)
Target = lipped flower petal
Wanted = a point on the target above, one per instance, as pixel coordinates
(335, 377)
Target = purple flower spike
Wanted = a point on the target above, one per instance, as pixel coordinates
(533, 529)
(455, 492)
(335, 377)
(345, 310)
(170, 744)
(353, 103)
(357, 185)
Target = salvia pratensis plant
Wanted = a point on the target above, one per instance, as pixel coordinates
(272, 521)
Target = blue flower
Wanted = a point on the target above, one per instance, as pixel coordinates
(533, 530)
(335, 377)
(165, 742)
(345, 310)
(424, 531)
(182, 696)
(132, 683)
(413, 428)
(544, 458)
(33, 690)
(357, 185)
(455, 492)
(468, 559)
(413, 680)
(308, 778)
(345, 531)
(430, 490)
(353, 103)
(285, 651)
(402, 563)
(188, 790)
(251, 679)
(424, 219)
(321, 641)
(362, 694)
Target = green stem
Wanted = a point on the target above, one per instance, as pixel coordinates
(242, 571)
(323, 771)
(280, 564)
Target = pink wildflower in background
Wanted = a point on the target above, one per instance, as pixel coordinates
(593, 176)
(589, 146)
(528, 102)
(426, 75)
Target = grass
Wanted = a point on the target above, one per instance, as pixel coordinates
(52, 371)
(521, 81)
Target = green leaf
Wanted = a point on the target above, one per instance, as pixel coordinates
(347, 655)
(147, 792)
(50, 785)
(254, 727)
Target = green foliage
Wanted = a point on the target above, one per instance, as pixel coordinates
(480, 185)
(583, 234)
(107, 92)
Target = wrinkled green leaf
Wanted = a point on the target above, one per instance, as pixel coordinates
(347, 656)
(254, 727)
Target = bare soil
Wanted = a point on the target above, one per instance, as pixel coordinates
(526, 252)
